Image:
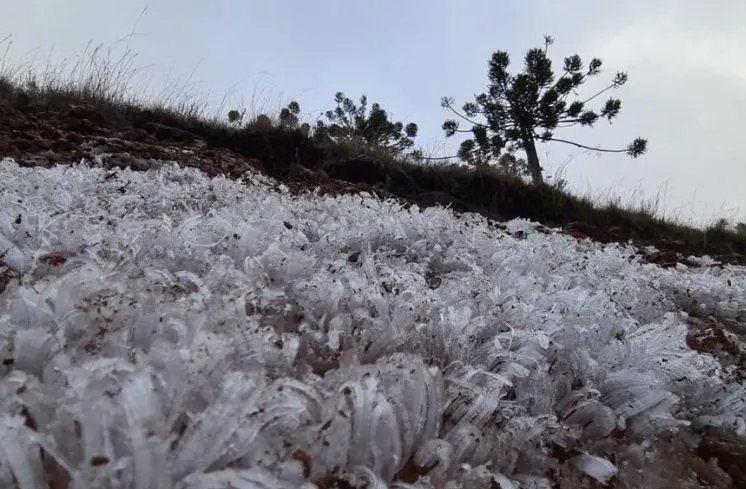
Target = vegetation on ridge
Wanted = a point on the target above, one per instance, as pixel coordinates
(348, 121)
(62, 116)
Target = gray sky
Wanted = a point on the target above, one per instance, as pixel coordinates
(686, 89)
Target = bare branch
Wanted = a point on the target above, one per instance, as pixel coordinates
(601, 150)
(613, 85)
(569, 122)
(450, 107)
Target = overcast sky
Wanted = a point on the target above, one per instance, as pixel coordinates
(686, 91)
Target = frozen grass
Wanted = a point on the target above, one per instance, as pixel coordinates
(160, 329)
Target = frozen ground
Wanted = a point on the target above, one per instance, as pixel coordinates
(160, 329)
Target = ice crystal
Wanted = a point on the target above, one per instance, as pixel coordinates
(201, 333)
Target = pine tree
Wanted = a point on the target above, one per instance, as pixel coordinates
(374, 129)
(519, 110)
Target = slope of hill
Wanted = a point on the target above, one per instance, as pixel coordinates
(164, 326)
(64, 125)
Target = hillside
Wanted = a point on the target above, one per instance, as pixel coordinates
(315, 317)
(47, 127)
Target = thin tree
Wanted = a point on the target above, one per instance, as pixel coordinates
(519, 110)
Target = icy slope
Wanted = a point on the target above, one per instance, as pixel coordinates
(159, 329)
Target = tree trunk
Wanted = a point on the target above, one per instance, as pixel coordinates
(533, 160)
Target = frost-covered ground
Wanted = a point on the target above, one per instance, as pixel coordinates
(160, 329)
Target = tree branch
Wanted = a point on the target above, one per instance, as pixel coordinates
(434, 158)
(553, 86)
(566, 124)
(602, 150)
(505, 125)
(450, 107)
(599, 93)
(571, 122)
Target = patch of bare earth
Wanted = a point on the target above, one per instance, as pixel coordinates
(725, 339)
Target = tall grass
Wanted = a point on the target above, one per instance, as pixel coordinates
(106, 77)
